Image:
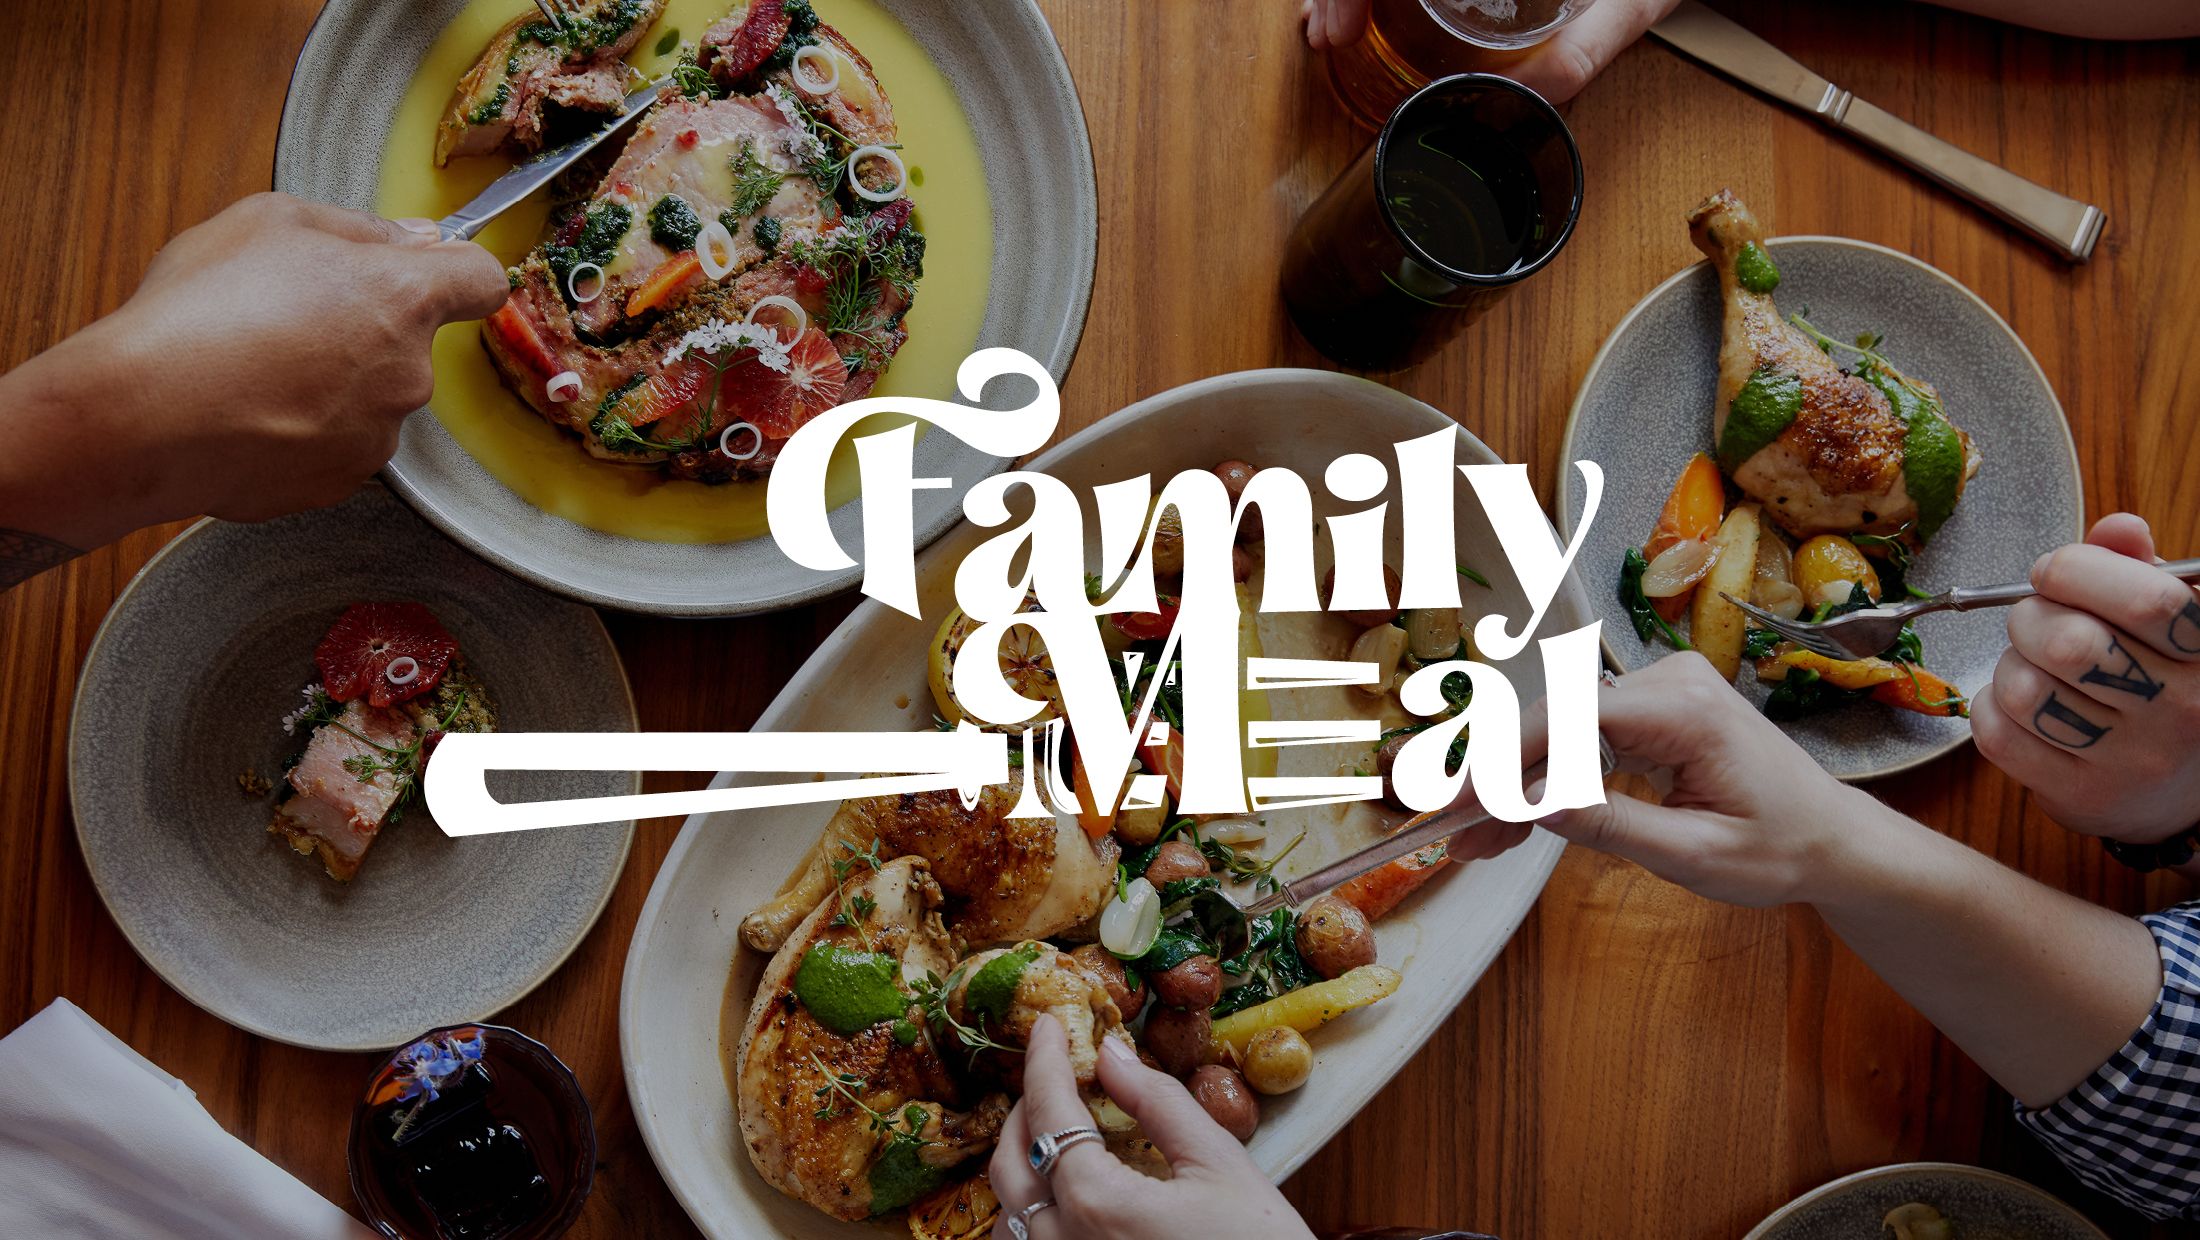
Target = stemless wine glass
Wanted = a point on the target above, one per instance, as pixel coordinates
(1472, 186)
(473, 1131)
(1505, 24)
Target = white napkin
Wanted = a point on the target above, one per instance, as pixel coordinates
(97, 1142)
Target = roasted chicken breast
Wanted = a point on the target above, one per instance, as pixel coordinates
(1823, 449)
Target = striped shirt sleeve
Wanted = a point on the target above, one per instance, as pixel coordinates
(2132, 1129)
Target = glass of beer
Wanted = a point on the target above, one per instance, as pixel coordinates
(1410, 43)
(1472, 186)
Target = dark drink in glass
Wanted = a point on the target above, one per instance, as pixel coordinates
(1472, 186)
(475, 1132)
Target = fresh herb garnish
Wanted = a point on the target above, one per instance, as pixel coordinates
(754, 181)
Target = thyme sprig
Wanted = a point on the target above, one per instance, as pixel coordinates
(904, 1127)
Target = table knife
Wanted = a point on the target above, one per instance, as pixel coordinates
(527, 177)
(2067, 226)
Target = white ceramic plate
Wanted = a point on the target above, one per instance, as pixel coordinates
(1009, 76)
(1646, 405)
(185, 688)
(870, 675)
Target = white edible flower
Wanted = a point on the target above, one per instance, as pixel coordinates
(719, 336)
(313, 694)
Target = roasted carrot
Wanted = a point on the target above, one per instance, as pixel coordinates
(1379, 891)
(1692, 510)
(670, 277)
(1095, 823)
(1923, 692)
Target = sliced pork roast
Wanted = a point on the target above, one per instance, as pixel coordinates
(728, 278)
(533, 76)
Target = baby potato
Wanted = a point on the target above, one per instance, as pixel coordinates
(1386, 758)
(1129, 993)
(1383, 645)
(1140, 827)
(1334, 937)
(1235, 476)
(1168, 543)
(1278, 1060)
(1195, 982)
(1228, 1102)
(1827, 559)
(1179, 1040)
(1366, 619)
(1173, 860)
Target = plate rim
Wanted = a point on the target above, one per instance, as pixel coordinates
(1543, 849)
(1062, 353)
(1963, 1170)
(1563, 515)
(93, 867)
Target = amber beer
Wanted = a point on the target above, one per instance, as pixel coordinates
(1411, 43)
(1473, 185)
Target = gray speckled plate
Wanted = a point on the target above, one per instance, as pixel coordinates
(1014, 88)
(185, 689)
(1983, 1205)
(1646, 405)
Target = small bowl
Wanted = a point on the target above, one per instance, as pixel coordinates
(1979, 1202)
(528, 1088)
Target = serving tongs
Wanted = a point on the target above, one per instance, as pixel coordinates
(1864, 633)
(1231, 922)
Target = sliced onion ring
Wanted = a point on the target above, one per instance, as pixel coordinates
(901, 174)
(573, 283)
(403, 670)
(725, 441)
(801, 316)
(1678, 567)
(707, 243)
(815, 85)
(564, 386)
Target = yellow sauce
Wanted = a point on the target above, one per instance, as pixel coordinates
(546, 466)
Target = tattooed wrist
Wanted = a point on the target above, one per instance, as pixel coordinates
(24, 555)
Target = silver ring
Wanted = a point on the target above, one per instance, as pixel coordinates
(1606, 678)
(1046, 1148)
(1019, 1222)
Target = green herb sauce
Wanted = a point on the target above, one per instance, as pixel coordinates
(673, 224)
(1764, 407)
(900, 1176)
(767, 233)
(1754, 268)
(849, 991)
(597, 243)
(992, 989)
(493, 107)
(1932, 452)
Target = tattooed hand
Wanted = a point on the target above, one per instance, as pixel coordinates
(2097, 700)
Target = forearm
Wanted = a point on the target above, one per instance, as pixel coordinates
(75, 474)
(2040, 988)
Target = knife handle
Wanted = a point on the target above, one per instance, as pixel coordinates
(2068, 226)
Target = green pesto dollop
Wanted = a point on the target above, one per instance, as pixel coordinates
(673, 224)
(1754, 268)
(901, 1175)
(849, 991)
(992, 989)
(1764, 407)
(1932, 452)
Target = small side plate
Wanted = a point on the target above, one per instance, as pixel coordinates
(184, 691)
(1646, 405)
(1981, 1203)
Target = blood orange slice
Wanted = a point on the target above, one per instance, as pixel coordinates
(356, 655)
(778, 402)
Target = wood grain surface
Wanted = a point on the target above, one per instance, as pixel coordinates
(1638, 1063)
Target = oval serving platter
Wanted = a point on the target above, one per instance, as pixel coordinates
(677, 994)
(1646, 405)
(1007, 74)
(184, 692)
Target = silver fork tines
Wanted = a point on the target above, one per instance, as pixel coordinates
(1854, 635)
(553, 11)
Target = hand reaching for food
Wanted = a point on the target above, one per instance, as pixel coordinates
(1556, 69)
(263, 366)
(2100, 685)
(1215, 1191)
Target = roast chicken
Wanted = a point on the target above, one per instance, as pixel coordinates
(1005, 879)
(1839, 466)
(812, 1098)
(1047, 983)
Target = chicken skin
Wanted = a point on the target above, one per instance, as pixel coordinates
(1005, 878)
(835, 1047)
(1824, 450)
(1001, 992)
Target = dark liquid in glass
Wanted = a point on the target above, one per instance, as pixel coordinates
(1472, 186)
(505, 1152)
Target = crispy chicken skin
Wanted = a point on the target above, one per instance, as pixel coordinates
(1005, 878)
(827, 1162)
(1838, 467)
(1051, 985)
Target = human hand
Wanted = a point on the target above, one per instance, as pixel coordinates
(2095, 702)
(1751, 819)
(1215, 1193)
(263, 366)
(1556, 68)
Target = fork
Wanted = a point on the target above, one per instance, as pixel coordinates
(553, 11)
(1863, 633)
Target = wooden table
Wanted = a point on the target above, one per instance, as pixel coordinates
(1639, 1062)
